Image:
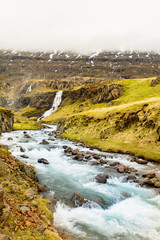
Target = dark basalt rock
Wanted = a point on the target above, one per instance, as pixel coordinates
(43, 160)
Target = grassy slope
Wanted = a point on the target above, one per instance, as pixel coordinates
(113, 128)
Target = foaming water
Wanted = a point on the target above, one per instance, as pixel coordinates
(129, 212)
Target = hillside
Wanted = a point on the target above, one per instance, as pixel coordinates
(108, 99)
(130, 123)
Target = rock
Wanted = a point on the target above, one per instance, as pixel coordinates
(157, 184)
(113, 164)
(126, 195)
(43, 188)
(78, 157)
(44, 142)
(96, 156)
(24, 156)
(24, 209)
(10, 139)
(68, 150)
(4, 237)
(77, 200)
(102, 161)
(149, 175)
(30, 193)
(121, 168)
(27, 135)
(101, 178)
(154, 82)
(141, 161)
(75, 152)
(65, 146)
(94, 162)
(22, 149)
(131, 177)
(43, 160)
(51, 139)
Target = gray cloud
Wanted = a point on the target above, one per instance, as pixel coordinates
(81, 25)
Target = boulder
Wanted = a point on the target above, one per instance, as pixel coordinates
(43, 188)
(24, 156)
(78, 157)
(101, 178)
(102, 161)
(27, 135)
(51, 139)
(157, 184)
(44, 142)
(75, 151)
(22, 149)
(68, 150)
(121, 168)
(10, 139)
(78, 200)
(149, 175)
(43, 160)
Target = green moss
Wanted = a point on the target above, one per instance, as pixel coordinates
(4, 152)
(27, 125)
(42, 206)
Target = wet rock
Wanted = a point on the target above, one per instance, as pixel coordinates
(65, 146)
(22, 149)
(96, 156)
(94, 162)
(68, 150)
(141, 161)
(101, 178)
(76, 200)
(157, 184)
(44, 142)
(24, 156)
(51, 139)
(102, 161)
(10, 139)
(27, 135)
(43, 188)
(131, 177)
(121, 168)
(149, 175)
(43, 160)
(126, 195)
(113, 164)
(132, 170)
(75, 152)
(78, 157)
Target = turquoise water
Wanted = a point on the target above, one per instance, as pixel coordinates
(136, 217)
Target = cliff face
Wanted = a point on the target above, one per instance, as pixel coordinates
(6, 120)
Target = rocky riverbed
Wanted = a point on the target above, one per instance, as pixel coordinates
(95, 195)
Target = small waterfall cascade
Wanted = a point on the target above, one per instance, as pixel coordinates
(56, 102)
(29, 89)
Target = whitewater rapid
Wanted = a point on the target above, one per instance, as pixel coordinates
(133, 218)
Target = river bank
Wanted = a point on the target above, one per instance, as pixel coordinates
(90, 209)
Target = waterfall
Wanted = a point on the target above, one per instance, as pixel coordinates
(29, 89)
(56, 102)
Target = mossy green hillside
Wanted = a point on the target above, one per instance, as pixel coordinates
(130, 124)
(27, 214)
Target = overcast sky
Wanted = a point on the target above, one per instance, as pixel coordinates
(80, 25)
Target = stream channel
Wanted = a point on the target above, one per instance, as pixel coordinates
(118, 209)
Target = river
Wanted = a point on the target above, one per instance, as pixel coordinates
(129, 212)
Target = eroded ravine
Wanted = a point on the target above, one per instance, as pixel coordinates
(117, 209)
